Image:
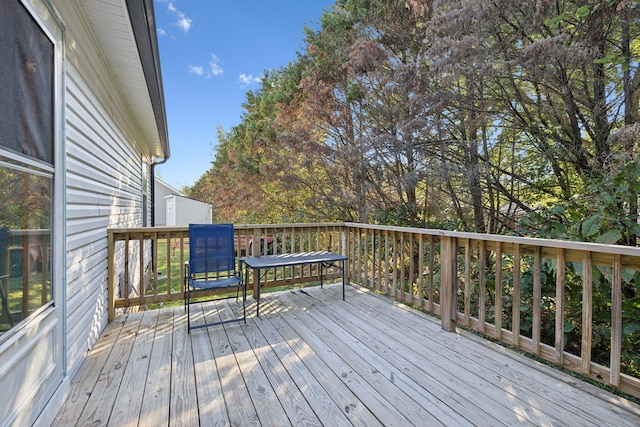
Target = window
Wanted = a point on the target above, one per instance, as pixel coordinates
(26, 164)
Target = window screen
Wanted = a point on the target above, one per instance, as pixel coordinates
(26, 92)
(26, 186)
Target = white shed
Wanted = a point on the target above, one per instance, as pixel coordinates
(160, 191)
(82, 122)
(182, 211)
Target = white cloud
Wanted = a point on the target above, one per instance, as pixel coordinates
(196, 69)
(214, 68)
(215, 65)
(183, 21)
(248, 79)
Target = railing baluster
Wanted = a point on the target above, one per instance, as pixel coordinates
(154, 262)
(616, 321)
(181, 262)
(412, 280)
(430, 290)
(365, 259)
(421, 271)
(395, 265)
(537, 298)
(467, 282)
(515, 318)
(448, 253)
(587, 313)
(126, 270)
(482, 266)
(168, 254)
(142, 288)
(386, 262)
(498, 292)
(111, 273)
(560, 282)
(358, 247)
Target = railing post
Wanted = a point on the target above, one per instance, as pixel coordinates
(254, 252)
(346, 251)
(449, 282)
(111, 275)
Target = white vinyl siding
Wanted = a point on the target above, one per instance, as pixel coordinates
(103, 180)
(100, 155)
(103, 190)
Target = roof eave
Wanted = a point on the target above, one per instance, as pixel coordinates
(142, 17)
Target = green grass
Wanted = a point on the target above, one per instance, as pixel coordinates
(15, 296)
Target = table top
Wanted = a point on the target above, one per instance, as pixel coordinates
(284, 260)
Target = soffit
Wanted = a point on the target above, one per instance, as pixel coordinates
(126, 55)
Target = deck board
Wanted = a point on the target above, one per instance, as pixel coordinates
(396, 359)
(356, 358)
(290, 396)
(320, 388)
(312, 359)
(157, 391)
(481, 397)
(183, 403)
(208, 385)
(126, 408)
(99, 407)
(83, 384)
(507, 370)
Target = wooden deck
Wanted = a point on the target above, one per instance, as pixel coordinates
(313, 359)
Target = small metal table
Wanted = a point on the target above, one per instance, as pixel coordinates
(265, 262)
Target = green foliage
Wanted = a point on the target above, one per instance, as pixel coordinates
(599, 213)
(477, 116)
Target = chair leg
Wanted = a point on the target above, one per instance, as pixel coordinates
(186, 289)
(244, 303)
(187, 302)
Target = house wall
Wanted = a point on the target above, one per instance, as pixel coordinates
(99, 183)
(103, 183)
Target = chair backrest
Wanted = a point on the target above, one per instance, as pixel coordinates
(211, 248)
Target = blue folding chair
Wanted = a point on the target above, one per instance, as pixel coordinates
(211, 266)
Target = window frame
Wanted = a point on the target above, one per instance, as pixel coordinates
(48, 21)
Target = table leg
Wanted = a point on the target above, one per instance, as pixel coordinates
(344, 279)
(246, 282)
(321, 276)
(258, 299)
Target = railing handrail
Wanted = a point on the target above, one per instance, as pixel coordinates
(524, 241)
(235, 226)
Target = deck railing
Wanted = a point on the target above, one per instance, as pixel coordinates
(533, 294)
(25, 274)
(146, 265)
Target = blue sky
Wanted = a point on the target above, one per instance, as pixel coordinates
(212, 52)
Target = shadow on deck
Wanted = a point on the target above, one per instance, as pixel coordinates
(313, 359)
